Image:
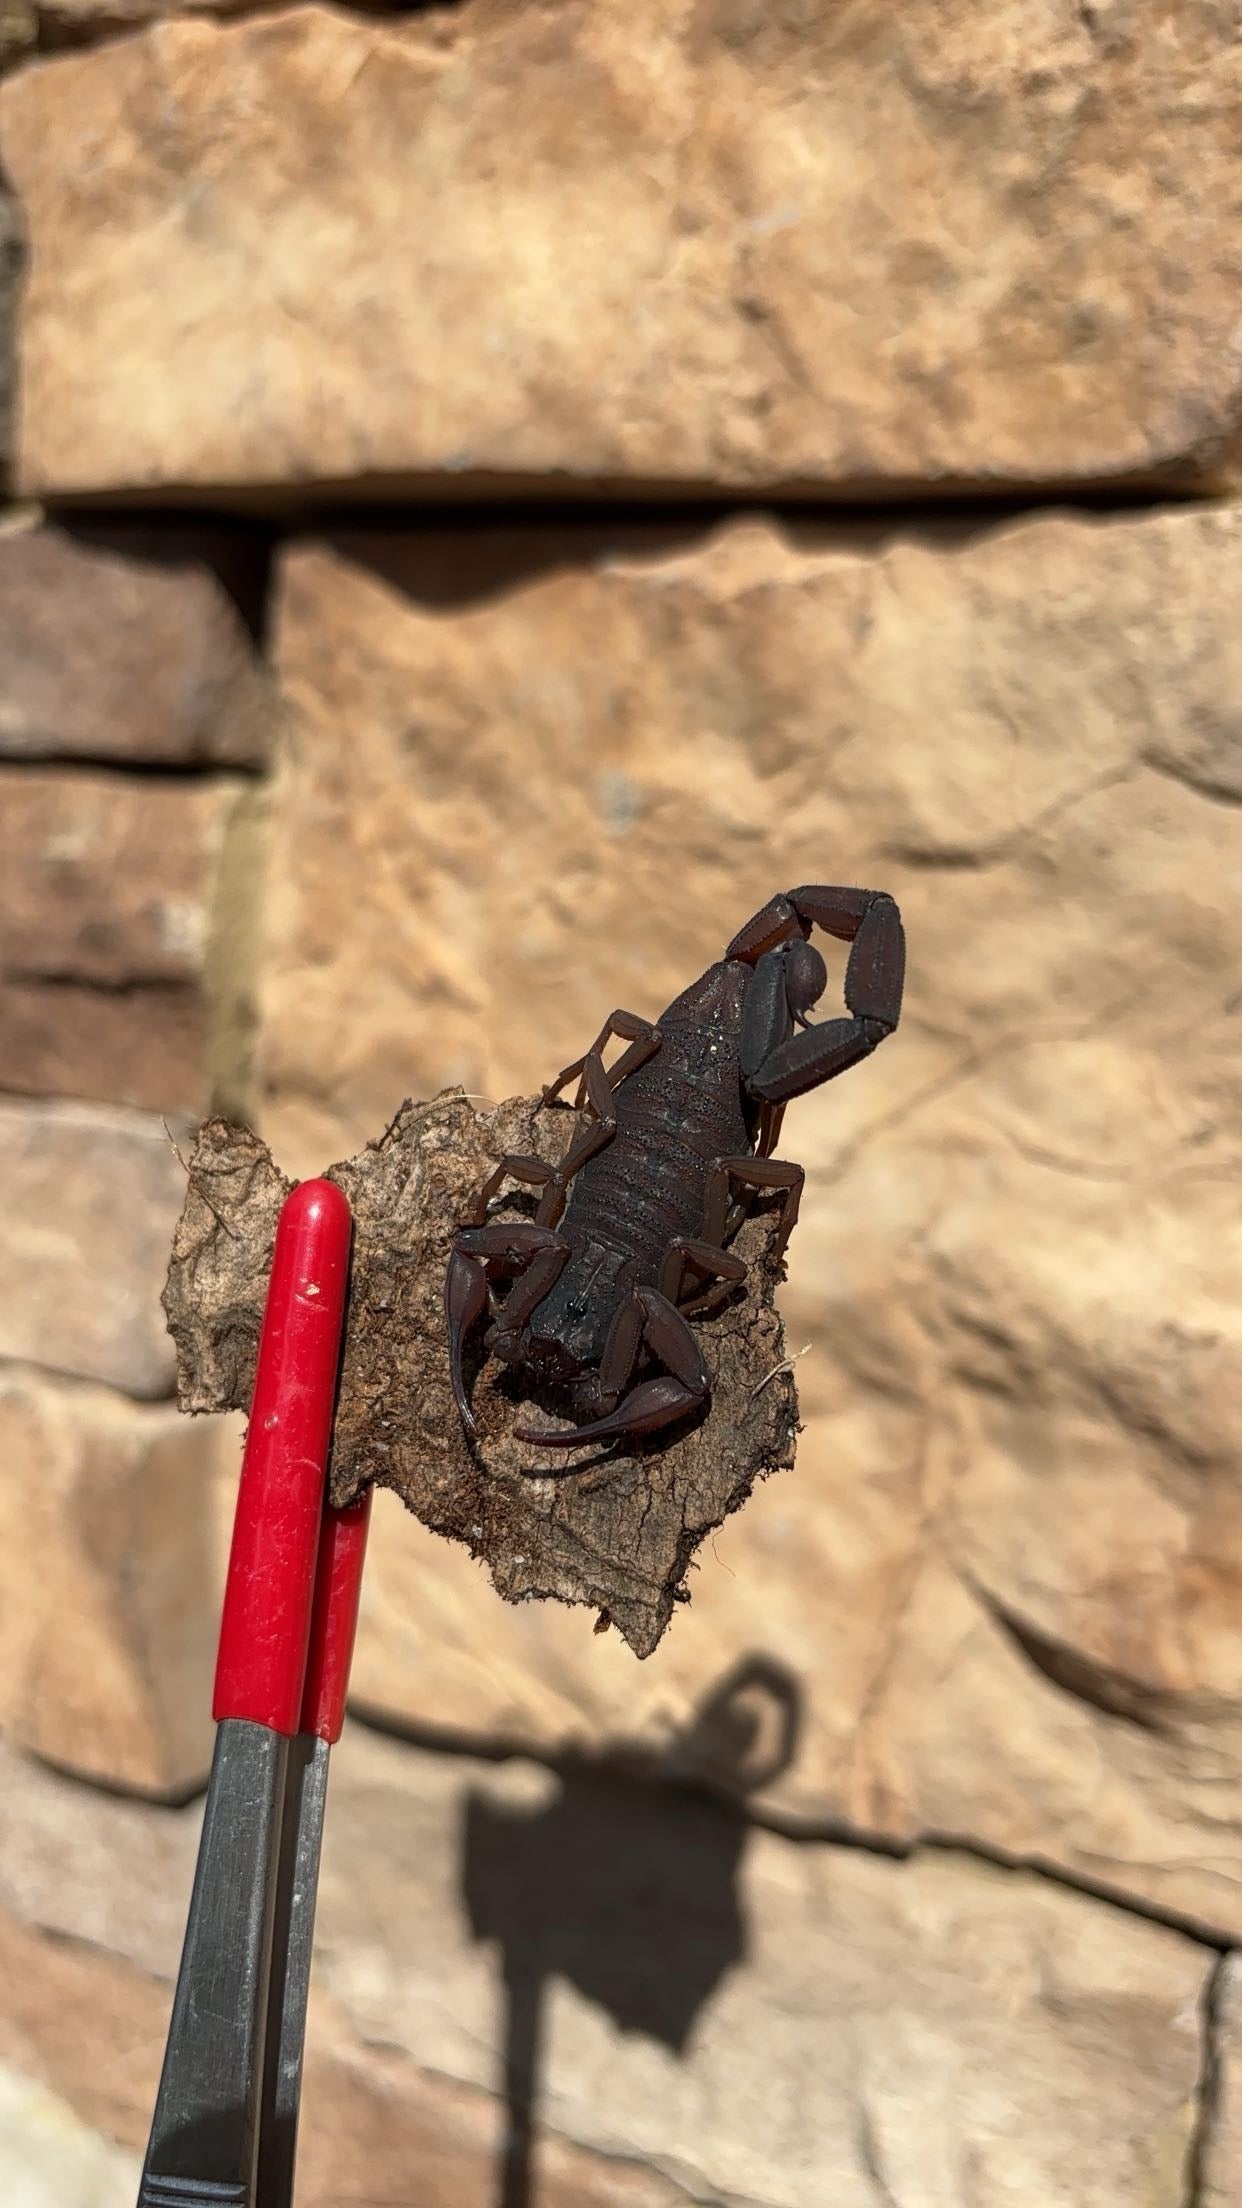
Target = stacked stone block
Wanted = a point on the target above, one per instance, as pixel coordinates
(838, 413)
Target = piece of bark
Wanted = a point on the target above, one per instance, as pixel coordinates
(612, 1527)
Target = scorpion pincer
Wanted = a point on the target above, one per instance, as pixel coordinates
(631, 1235)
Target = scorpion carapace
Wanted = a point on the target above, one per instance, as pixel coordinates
(630, 1238)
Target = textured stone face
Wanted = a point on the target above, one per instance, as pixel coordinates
(906, 1870)
(91, 1198)
(62, 23)
(108, 1582)
(125, 902)
(719, 2014)
(865, 2026)
(109, 656)
(713, 243)
(51, 2159)
(1222, 2162)
(109, 886)
(1001, 1577)
(10, 276)
(83, 2021)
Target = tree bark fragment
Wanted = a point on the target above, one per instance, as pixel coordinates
(613, 1527)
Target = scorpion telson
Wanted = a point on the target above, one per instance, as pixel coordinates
(631, 1234)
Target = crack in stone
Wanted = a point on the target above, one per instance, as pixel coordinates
(642, 1765)
(59, 30)
(965, 859)
(1207, 2092)
(974, 1059)
(1103, 1890)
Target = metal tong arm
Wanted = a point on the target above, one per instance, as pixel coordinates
(204, 2140)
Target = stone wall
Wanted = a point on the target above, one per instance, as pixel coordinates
(495, 491)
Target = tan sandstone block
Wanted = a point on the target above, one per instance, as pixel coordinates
(718, 2014)
(61, 23)
(735, 243)
(50, 2158)
(19, 30)
(1003, 1575)
(766, 2020)
(88, 2026)
(110, 907)
(126, 651)
(91, 1198)
(95, 1891)
(11, 43)
(109, 1582)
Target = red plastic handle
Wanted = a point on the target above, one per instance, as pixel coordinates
(334, 1617)
(265, 1626)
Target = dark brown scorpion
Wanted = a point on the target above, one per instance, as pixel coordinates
(686, 1119)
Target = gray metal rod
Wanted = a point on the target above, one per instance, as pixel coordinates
(204, 2136)
(293, 1937)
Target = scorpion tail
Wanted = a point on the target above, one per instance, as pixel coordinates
(654, 1403)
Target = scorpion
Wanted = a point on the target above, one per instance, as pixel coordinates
(630, 1237)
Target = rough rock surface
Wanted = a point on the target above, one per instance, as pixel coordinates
(19, 30)
(1222, 2155)
(10, 278)
(51, 2158)
(79, 2019)
(116, 655)
(1003, 1575)
(727, 243)
(602, 1525)
(91, 1198)
(717, 2015)
(109, 885)
(109, 1582)
(61, 23)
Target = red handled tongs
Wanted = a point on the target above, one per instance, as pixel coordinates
(225, 2126)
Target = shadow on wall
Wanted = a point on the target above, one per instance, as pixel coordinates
(629, 1892)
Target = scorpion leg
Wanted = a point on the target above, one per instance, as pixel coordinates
(625, 1340)
(626, 1334)
(769, 1128)
(599, 1130)
(757, 1173)
(644, 1041)
(653, 1403)
(708, 1259)
(553, 1180)
(505, 1247)
(504, 1339)
(535, 1172)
